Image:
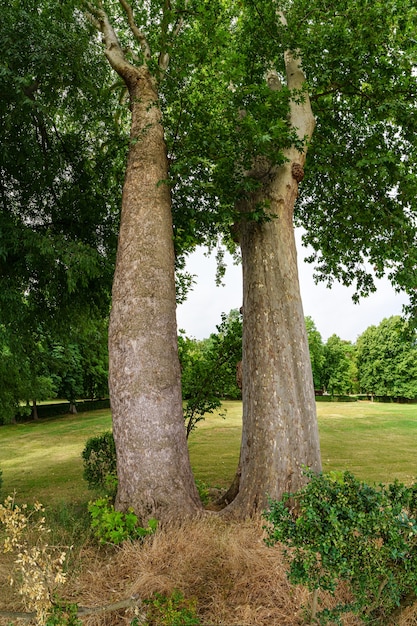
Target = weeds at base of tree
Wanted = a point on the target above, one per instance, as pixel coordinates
(172, 610)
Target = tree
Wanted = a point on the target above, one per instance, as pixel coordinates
(316, 350)
(154, 473)
(350, 108)
(209, 369)
(339, 370)
(387, 359)
(58, 183)
(240, 115)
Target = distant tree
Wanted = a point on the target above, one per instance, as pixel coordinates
(25, 376)
(316, 349)
(387, 359)
(338, 368)
(209, 369)
(68, 372)
(92, 338)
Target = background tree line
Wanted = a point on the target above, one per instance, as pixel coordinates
(382, 362)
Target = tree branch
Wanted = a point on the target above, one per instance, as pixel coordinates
(138, 34)
(107, 608)
(113, 51)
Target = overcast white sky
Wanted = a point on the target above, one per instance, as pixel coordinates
(332, 310)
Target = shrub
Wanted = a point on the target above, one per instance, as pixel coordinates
(1, 479)
(39, 566)
(114, 527)
(173, 610)
(99, 458)
(340, 529)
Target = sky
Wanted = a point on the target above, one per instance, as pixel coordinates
(332, 310)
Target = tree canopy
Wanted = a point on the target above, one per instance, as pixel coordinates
(387, 359)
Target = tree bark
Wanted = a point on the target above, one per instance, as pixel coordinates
(280, 433)
(153, 466)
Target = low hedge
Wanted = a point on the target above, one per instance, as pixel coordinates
(62, 408)
(336, 399)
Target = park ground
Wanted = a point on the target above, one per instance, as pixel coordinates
(234, 578)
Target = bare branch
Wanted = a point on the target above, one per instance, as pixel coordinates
(113, 50)
(107, 608)
(180, 22)
(138, 34)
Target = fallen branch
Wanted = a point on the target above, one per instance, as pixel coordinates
(107, 608)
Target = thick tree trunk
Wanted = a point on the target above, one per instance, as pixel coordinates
(153, 466)
(280, 433)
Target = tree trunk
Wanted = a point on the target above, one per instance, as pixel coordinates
(35, 415)
(280, 433)
(153, 466)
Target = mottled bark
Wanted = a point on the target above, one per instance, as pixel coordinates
(153, 467)
(280, 433)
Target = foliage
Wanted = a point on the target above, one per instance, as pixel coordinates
(40, 566)
(115, 527)
(63, 614)
(339, 369)
(173, 610)
(42, 364)
(337, 528)
(99, 460)
(59, 189)
(316, 349)
(387, 359)
(209, 369)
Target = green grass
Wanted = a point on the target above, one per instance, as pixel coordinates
(376, 442)
(42, 460)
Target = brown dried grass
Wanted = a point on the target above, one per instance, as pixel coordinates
(225, 566)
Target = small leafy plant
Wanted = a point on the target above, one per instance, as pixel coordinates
(173, 610)
(99, 459)
(337, 528)
(63, 614)
(115, 527)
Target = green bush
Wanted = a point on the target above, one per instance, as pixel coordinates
(99, 458)
(63, 614)
(173, 610)
(115, 527)
(1, 479)
(339, 529)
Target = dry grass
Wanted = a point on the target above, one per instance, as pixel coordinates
(235, 578)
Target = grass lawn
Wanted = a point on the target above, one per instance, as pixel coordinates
(42, 460)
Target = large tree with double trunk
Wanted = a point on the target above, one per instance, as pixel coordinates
(307, 116)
